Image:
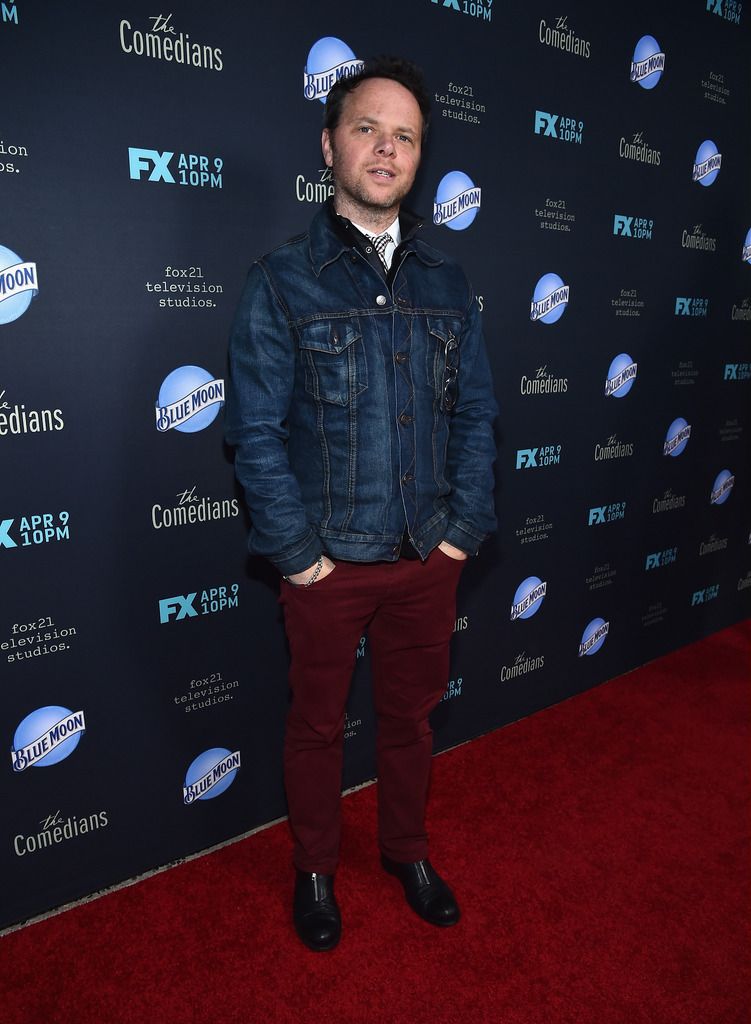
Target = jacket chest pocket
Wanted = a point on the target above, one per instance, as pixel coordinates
(443, 360)
(333, 356)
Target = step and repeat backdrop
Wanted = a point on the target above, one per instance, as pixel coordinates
(588, 165)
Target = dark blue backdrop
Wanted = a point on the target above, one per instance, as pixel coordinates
(144, 162)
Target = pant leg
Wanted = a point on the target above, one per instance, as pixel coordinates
(324, 623)
(409, 639)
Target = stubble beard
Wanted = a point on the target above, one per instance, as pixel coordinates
(368, 208)
(354, 201)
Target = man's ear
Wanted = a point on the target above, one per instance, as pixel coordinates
(328, 153)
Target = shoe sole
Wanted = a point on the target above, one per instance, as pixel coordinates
(318, 949)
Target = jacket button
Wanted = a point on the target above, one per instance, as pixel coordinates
(408, 478)
(381, 300)
(405, 419)
(397, 549)
(401, 357)
(402, 301)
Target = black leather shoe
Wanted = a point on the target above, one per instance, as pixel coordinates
(426, 891)
(315, 911)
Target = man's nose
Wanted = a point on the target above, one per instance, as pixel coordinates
(385, 144)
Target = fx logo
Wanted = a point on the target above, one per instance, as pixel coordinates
(715, 6)
(182, 605)
(526, 458)
(659, 559)
(142, 159)
(545, 123)
(622, 225)
(450, 3)
(6, 541)
(682, 306)
(731, 371)
(597, 515)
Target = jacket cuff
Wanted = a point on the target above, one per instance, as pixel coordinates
(299, 558)
(463, 537)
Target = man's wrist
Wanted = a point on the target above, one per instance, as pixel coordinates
(308, 576)
(453, 551)
(323, 566)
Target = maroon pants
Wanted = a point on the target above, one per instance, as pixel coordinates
(409, 610)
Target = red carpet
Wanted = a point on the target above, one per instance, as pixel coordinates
(599, 850)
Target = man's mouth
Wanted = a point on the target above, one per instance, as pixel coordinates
(380, 172)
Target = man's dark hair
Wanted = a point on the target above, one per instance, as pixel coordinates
(397, 69)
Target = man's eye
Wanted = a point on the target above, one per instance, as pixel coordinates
(365, 128)
(404, 138)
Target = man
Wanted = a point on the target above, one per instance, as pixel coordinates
(361, 410)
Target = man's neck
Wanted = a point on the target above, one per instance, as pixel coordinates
(375, 220)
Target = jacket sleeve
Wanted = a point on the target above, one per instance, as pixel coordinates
(471, 447)
(262, 373)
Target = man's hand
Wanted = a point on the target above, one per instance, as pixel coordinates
(452, 552)
(299, 579)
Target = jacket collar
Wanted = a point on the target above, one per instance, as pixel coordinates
(331, 235)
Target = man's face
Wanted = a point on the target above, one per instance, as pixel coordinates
(374, 151)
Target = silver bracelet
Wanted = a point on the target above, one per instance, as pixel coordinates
(316, 571)
(315, 575)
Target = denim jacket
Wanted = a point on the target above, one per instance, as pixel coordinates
(357, 405)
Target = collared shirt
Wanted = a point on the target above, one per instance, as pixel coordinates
(404, 228)
(396, 236)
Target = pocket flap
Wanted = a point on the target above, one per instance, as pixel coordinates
(332, 336)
